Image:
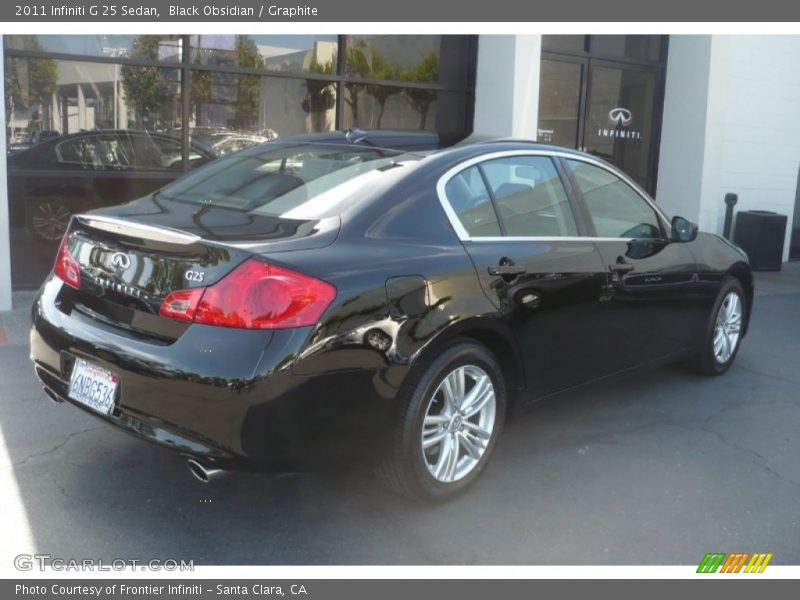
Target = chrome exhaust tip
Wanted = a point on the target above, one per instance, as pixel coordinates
(204, 473)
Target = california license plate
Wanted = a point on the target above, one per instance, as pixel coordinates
(93, 386)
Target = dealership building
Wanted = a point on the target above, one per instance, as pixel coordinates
(689, 117)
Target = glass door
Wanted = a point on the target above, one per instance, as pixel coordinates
(560, 92)
(621, 110)
(604, 95)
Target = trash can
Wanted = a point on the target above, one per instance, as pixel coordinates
(761, 234)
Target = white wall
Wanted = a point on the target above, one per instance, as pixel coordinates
(5, 251)
(747, 118)
(507, 85)
(683, 136)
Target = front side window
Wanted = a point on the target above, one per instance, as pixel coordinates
(615, 208)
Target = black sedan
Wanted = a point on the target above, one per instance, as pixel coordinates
(307, 303)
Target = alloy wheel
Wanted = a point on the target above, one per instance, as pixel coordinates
(50, 220)
(727, 327)
(459, 423)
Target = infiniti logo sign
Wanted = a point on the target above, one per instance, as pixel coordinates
(120, 260)
(620, 116)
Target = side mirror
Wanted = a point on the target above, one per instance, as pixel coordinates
(683, 230)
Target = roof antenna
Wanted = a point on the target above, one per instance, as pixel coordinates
(355, 135)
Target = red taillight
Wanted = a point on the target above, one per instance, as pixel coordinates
(255, 295)
(66, 267)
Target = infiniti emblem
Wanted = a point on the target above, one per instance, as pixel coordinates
(120, 260)
(620, 116)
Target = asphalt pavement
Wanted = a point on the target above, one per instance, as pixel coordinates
(656, 468)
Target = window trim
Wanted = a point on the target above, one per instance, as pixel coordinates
(464, 235)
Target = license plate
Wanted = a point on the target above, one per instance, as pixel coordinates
(93, 386)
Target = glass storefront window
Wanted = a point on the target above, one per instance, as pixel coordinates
(83, 135)
(165, 48)
(281, 53)
(97, 120)
(636, 47)
(427, 59)
(388, 107)
(230, 110)
(47, 98)
(559, 102)
(571, 43)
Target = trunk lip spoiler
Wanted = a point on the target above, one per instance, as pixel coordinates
(161, 233)
(140, 230)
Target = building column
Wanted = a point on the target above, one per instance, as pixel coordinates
(730, 125)
(507, 86)
(81, 109)
(5, 233)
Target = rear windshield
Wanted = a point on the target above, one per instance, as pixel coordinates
(291, 181)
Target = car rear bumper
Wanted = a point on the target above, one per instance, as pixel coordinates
(226, 396)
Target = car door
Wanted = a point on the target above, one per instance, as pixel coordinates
(652, 278)
(548, 282)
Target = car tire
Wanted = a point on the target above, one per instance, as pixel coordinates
(47, 220)
(440, 445)
(722, 335)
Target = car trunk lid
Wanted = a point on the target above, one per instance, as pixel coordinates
(132, 257)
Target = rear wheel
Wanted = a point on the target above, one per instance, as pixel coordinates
(449, 425)
(723, 333)
(47, 220)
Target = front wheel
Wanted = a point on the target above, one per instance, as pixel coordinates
(448, 427)
(723, 334)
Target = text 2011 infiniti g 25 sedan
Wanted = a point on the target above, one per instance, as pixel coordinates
(304, 302)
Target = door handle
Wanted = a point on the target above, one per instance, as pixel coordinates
(621, 267)
(507, 270)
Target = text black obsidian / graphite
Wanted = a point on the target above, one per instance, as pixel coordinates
(235, 10)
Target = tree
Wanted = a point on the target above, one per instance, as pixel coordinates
(150, 90)
(248, 93)
(320, 95)
(240, 93)
(425, 71)
(30, 82)
(382, 68)
(356, 64)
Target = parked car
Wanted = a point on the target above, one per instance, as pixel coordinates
(301, 304)
(60, 176)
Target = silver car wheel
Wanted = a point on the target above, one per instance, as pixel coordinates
(727, 328)
(459, 423)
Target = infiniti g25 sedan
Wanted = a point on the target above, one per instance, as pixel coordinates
(305, 303)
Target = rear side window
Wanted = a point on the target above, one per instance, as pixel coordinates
(470, 200)
(95, 152)
(616, 209)
(530, 197)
